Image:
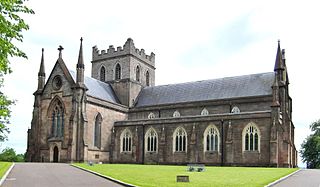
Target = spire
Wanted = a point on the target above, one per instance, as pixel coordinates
(41, 70)
(41, 73)
(80, 65)
(279, 64)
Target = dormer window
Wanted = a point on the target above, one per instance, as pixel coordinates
(235, 110)
(151, 116)
(176, 114)
(204, 112)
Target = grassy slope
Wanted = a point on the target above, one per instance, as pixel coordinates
(159, 175)
(4, 166)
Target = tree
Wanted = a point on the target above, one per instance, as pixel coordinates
(315, 127)
(11, 27)
(9, 155)
(310, 148)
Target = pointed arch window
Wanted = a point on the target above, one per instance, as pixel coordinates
(151, 141)
(211, 138)
(176, 114)
(102, 74)
(138, 73)
(204, 112)
(151, 116)
(118, 72)
(251, 138)
(97, 131)
(126, 141)
(235, 110)
(147, 78)
(57, 120)
(180, 140)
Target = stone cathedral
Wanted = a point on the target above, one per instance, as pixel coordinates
(118, 115)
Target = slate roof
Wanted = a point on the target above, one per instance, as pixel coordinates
(98, 89)
(215, 89)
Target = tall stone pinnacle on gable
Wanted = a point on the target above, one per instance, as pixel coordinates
(80, 57)
(41, 70)
(80, 65)
(279, 64)
(275, 88)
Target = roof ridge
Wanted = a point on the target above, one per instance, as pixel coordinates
(150, 87)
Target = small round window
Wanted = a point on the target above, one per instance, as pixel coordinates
(57, 82)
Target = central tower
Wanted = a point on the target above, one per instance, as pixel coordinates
(127, 69)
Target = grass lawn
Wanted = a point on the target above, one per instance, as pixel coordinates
(160, 175)
(4, 166)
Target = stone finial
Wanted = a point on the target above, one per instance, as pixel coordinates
(60, 51)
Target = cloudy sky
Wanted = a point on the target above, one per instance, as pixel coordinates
(192, 40)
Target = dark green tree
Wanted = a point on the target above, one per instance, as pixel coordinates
(9, 155)
(315, 127)
(11, 28)
(310, 148)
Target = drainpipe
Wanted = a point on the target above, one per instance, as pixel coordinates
(222, 142)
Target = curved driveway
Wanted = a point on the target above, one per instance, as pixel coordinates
(303, 178)
(52, 174)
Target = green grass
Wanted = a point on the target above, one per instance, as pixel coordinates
(161, 175)
(4, 166)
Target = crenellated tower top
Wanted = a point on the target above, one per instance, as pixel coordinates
(127, 49)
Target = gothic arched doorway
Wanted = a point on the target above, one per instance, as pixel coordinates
(55, 154)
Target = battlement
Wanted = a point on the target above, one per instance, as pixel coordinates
(128, 48)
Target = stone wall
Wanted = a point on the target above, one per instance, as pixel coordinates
(109, 116)
(232, 149)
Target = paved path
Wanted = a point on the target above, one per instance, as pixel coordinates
(303, 178)
(52, 174)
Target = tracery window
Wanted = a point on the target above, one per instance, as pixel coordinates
(138, 74)
(176, 114)
(97, 131)
(151, 140)
(126, 141)
(102, 74)
(147, 78)
(57, 121)
(235, 110)
(118, 72)
(180, 140)
(151, 116)
(251, 138)
(211, 138)
(204, 112)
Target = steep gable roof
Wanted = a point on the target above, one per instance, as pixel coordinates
(98, 89)
(215, 89)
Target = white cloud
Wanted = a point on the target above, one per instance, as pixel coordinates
(193, 40)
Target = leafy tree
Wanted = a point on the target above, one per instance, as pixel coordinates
(11, 27)
(315, 127)
(310, 148)
(9, 155)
